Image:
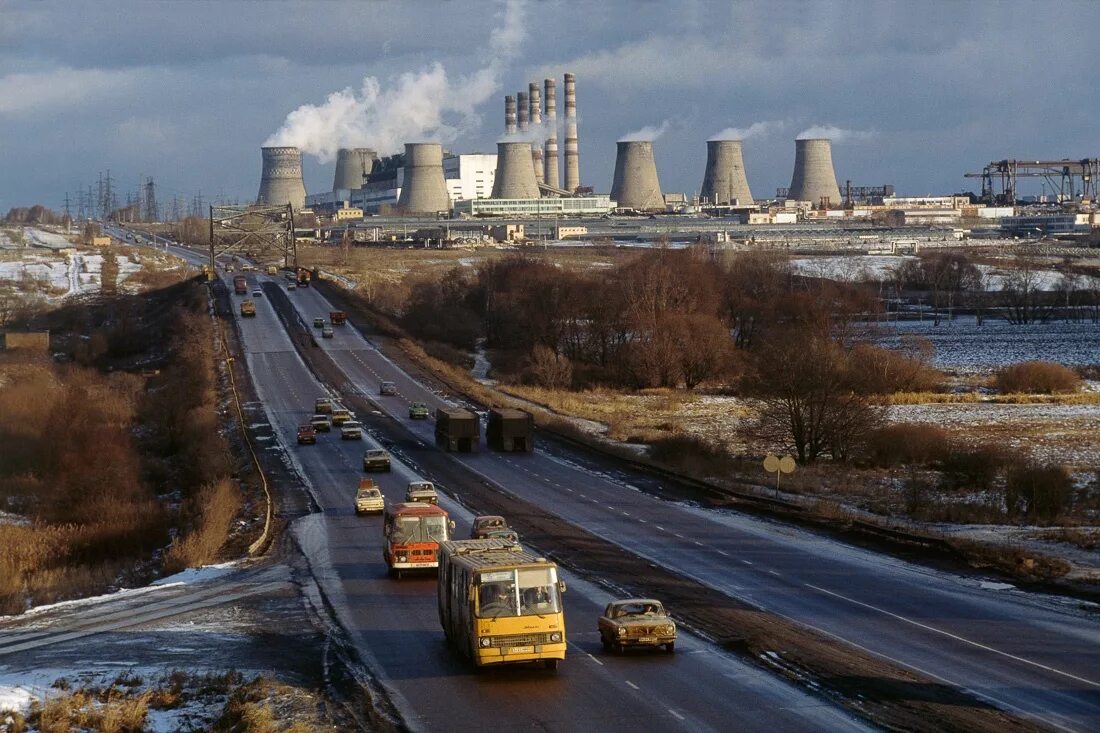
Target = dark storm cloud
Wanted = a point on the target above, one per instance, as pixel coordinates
(187, 91)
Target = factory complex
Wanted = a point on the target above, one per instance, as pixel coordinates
(521, 180)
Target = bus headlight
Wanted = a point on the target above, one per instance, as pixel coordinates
(485, 641)
(670, 629)
(555, 636)
(621, 631)
(401, 558)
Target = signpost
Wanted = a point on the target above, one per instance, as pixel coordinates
(778, 465)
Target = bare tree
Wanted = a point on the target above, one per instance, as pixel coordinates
(1023, 299)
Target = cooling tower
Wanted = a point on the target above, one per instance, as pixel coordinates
(724, 180)
(281, 180)
(515, 176)
(534, 95)
(572, 150)
(510, 115)
(424, 191)
(813, 177)
(551, 158)
(353, 165)
(523, 110)
(635, 185)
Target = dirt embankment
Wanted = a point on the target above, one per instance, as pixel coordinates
(880, 692)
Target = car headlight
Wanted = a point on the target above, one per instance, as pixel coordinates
(485, 642)
(555, 636)
(670, 629)
(621, 631)
(401, 558)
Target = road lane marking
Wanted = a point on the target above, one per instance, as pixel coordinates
(956, 637)
(632, 684)
(775, 574)
(746, 562)
(594, 659)
(675, 714)
(660, 528)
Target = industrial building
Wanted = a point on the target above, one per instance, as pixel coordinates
(596, 205)
(281, 177)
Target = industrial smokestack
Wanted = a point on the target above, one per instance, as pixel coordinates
(572, 151)
(551, 158)
(353, 165)
(535, 96)
(724, 180)
(281, 179)
(635, 185)
(424, 190)
(814, 179)
(524, 110)
(510, 115)
(515, 177)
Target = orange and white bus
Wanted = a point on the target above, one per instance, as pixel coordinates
(411, 535)
(500, 604)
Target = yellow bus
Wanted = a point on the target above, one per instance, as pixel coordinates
(501, 604)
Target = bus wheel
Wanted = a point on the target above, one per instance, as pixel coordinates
(550, 664)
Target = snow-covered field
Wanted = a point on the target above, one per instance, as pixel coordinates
(856, 268)
(963, 346)
(62, 275)
(41, 238)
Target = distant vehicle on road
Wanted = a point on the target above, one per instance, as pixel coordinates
(318, 322)
(257, 293)
(272, 270)
(341, 415)
(421, 491)
(457, 429)
(485, 523)
(248, 309)
(636, 622)
(418, 411)
(291, 286)
(326, 332)
(303, 277)
(510, 430)
(387, 388)
(411, 536)
(351, 430)
(506, 607)
(321, 423)
(368, 497)
(338, 318)
(240, 285)
(376, 459)
(323, 405)
(306, 434)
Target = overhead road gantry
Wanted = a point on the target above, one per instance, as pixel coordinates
(259, 231)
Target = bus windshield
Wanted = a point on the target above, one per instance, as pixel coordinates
(407, 530)
(531, 592)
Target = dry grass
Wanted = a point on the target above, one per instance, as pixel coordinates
(1014, 398)
(215, 508)
(103, 711)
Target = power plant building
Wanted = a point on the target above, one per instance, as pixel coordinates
(813, 179)
(281, 177)
(635, 185)
(724, 180)
(596, 205)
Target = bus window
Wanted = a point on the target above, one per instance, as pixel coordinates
(532, 592)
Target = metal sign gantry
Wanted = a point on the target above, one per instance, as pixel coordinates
(255, 231)
(1068, 179)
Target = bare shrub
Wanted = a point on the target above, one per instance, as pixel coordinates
(1040, 491)
(885, 371)
(1037, 377)
(691, 454)
(548, 369)
(973, 468)
(215, 508)
(906, 444)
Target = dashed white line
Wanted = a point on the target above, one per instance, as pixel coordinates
(746, 562)
(675, 714)
(632, 684)
(723, 553)
(595, 660)
(775, 574)
(660, 528)
(698, 543)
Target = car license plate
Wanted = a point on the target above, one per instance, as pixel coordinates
(647, 640)
(520, 650)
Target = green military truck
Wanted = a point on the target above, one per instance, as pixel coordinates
(510, 430)
(457, 430)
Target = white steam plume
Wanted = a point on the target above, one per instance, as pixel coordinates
(836, 134)
(533, 134)
(756, 129)
(649, 133)
(411, 107)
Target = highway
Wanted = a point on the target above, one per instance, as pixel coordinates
(1032, 654)
(395, 626)
(1028, 653)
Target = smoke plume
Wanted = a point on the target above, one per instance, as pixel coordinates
(836, 134)
(649, 133)
(413, 106)
(756, 129)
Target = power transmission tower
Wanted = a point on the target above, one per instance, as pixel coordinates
(150, 212)
(68, 210)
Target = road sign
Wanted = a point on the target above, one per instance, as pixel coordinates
(778, 465)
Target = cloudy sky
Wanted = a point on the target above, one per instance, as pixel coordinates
(188, 91)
